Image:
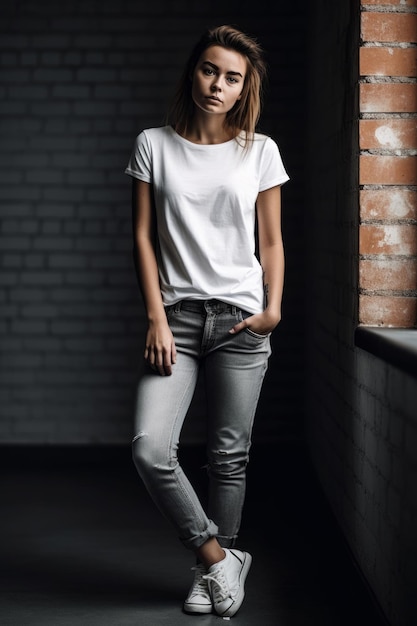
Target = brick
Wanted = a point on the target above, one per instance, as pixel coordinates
(64, 194)
(44, 278)
(15, 210)
(52, 243)
(29, 327)
(389, 27)
(407, 3)
(39, 310)
(29, 59)
(86, 278)
(13, 108)
(387, 170)
(15, 76)
(93, 41)
(392, 274)
(44, 176)
(17, 193)
(396, 204)
(51, 227)
(71, 261)
(93, 109)
(378, 61)
(71, 92)
(8, 58)
(389, 311)
(12, 260)
(26, 295)
(34, 261)
(96, 244)
(388, 239)
(51, 109)
(84, 344)
(89, 177)
(393, 134)
(388, 98)
(28, 92)
(60, 75)
(55, 125)
(95, 75)
(69, 294)
(69, 327)
(51, 58)
(14, 243)
(52, 42)
(57, 211)
(10, 311)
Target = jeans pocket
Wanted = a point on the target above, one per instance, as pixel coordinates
(243, 315)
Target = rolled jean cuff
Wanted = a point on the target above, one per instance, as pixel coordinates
(197, 541)
(226, 542)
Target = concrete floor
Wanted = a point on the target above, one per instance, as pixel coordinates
(82, 545)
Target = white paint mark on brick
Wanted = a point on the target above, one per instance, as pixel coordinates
(400, 205)
(392, 237)
(387, 137)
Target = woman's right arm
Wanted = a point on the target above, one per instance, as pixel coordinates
(160, 349)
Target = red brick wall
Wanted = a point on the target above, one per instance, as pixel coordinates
(388, 164)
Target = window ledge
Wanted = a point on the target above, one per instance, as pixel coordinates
(397, 346)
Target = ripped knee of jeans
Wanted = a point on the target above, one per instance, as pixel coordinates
(228, 462)
(139, 435)
(149, 456)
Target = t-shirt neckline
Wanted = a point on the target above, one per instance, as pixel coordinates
(201, 145)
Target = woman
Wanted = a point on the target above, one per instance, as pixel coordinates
(199, 186)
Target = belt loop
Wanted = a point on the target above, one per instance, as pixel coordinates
(177, 308)
(234, 309)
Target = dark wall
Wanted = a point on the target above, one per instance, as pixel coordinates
(78, 81)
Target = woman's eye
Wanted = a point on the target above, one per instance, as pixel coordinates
(208, 72)
(231, 79)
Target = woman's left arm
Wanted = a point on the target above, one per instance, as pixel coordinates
(271, 252)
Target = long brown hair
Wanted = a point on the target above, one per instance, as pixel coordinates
(246, 112)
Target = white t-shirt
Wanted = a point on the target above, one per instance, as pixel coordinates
(205, 199)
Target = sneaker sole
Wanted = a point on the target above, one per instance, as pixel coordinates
(197, 608)
(235, 606)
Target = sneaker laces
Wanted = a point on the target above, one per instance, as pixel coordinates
(200, 583)
(220, 588)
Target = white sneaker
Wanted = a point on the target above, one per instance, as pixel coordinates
(226, 581)
(198, 599)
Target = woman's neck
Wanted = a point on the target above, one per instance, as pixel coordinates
(208, 130)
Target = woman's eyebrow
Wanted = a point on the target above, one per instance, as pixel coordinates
(215, 67)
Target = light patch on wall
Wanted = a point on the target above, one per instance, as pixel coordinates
(386, 136)
(400, 205)
(391, 237)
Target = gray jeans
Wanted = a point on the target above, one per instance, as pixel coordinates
(233, 368)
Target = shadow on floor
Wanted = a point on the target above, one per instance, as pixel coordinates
(82, 545)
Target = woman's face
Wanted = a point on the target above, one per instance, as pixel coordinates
(218, 80)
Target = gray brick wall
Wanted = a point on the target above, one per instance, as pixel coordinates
(78, 81)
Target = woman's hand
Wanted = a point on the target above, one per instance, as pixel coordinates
(160, 351)
(261, 323)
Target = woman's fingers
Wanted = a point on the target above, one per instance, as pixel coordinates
(161, 359)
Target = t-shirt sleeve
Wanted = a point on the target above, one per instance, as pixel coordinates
(272, 168)
(140, 162)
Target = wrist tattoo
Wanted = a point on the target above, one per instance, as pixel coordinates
(266, 294)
